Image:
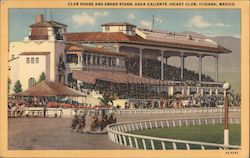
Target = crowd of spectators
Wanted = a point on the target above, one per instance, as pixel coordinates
(152, 69)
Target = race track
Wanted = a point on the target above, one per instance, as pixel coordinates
(55, 133)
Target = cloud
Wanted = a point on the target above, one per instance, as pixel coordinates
(87, 19)
(100, 14)
(198, 22)
(145, 23)
(131, 16)
(222, 25)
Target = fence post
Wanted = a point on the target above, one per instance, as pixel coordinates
(129, 129)
(150, 124)
(141, 126)
(174, 146)
(167, 123)
(202, 147)
(146, 126)
(186, 122)
(180, 123)
(125, 127)
(152, 144)
(124, 139)
(156, 125)
(130, 142)
(120, 139)
(173, 123)
(133, 127)
(136, 124)
(136, 143)
(187, 146)
(162, 125)
(163, 145)
(144, 144)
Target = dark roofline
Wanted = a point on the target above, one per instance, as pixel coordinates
(13, 59)
(35, 53)
(118, 24)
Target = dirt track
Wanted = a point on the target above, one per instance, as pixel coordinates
(55, 134)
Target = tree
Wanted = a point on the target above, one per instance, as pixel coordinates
(9, 83)
(42, 77)
(106, 99)
(18, 87)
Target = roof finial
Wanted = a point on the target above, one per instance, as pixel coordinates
(50, 14)
(45, 14)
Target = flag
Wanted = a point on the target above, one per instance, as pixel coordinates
(157, 19)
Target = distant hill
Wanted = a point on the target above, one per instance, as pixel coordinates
(229, 64)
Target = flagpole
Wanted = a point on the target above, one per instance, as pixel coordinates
(153, 22)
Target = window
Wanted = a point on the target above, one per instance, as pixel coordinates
(120, 28)
(107, 28)
(72, 58)
(32, 82)
(37, 60)
(27, 60)
(32, 60)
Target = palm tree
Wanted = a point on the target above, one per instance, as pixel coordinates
(105, 100)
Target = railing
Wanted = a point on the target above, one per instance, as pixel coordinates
(35, 111)
(166, 111)
(117, 134)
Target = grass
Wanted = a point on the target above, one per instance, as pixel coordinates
(208, 133)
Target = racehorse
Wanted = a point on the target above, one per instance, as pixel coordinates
(101, 123)
(80, 121)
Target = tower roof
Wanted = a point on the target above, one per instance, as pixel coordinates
(51, 23)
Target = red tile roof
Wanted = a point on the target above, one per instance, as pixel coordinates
(48, 88)
(90, 37)
(51, 23)
(95, 50)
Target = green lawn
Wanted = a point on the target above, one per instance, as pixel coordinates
(208, 133)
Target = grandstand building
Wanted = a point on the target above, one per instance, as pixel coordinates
(123, 58)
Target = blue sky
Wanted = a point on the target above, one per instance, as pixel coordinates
(210, 22)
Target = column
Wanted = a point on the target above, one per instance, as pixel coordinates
(107, 61)
(117, 47)
(96, 62)
(140, 73)
(216, 68)
(117, 61)
(188, 91)
(162, 65)
(200, 67)
(182, 65)
(91, 59)
(79, 58)
(100, 60)
(86, 57)
(210, 92)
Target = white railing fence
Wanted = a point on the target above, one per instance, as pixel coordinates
(69, 112)
(172, 111)
(118, 134)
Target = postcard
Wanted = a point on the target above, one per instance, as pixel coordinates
(124, 78)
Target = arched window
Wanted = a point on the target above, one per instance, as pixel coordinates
(32, 82)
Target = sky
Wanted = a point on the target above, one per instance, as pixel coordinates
(209, 22)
